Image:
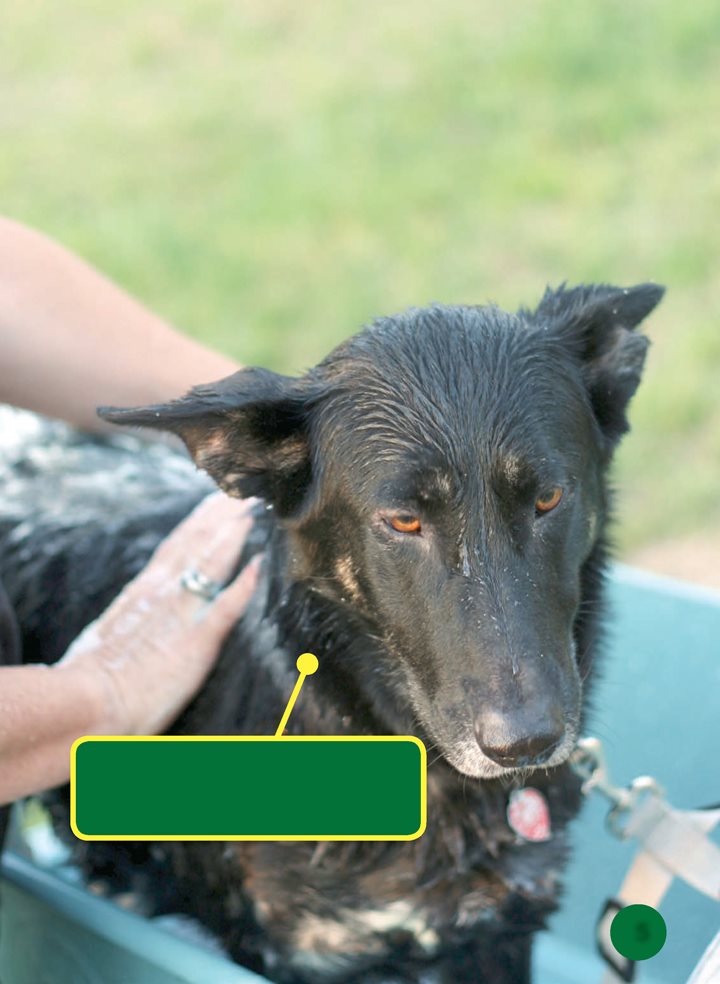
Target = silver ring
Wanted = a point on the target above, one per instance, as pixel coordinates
(200, 584)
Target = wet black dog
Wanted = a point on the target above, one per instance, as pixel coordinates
(437, 507)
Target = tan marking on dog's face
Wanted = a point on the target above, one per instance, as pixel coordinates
(511, 468)
(346, 577)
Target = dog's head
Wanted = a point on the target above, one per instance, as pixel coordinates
(443, 472)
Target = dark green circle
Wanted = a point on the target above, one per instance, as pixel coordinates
(638, 932)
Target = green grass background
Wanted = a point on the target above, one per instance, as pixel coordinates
(270, 175)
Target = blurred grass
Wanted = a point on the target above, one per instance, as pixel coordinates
(270, 175)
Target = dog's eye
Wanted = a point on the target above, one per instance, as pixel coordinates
(405, 523)
(547, 502)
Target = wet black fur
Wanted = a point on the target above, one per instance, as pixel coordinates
(464, 416)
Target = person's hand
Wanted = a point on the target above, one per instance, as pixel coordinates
(155, 645)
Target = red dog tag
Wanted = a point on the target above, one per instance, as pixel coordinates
(528, 814)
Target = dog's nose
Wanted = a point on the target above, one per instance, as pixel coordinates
(518, 747)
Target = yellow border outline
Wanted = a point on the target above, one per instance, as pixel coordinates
(250, 837)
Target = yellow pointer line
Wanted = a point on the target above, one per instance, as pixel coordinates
(306, 664)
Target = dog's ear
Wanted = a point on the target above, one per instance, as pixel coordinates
(248, 431)
(598, 323)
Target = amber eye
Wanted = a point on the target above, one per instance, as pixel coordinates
(547, 502)
(405, 523)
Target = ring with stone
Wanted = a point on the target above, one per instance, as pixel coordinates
(200, 584)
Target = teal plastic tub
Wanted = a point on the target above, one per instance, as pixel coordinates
(657, 711)
(53, 932)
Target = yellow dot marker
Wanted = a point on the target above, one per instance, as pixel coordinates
(307, 664)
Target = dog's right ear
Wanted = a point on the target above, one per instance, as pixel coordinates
(248, 431)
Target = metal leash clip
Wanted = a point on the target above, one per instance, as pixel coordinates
(588, 762)
(674, 839)
(673, 844)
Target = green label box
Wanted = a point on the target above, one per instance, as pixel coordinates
(247, 788)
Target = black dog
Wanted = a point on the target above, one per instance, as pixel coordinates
(437, 535)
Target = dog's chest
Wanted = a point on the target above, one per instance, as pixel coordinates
(325, 922)
(325, 944)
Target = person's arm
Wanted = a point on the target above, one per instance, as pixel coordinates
(134, 669)
(71, 340)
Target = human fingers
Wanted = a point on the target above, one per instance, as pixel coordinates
(231, 602)
(215, 531)
(210, 539)
(190, 651)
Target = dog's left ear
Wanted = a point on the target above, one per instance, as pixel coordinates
(248, 431)
(598, 323)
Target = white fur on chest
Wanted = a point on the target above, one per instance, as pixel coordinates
(324, 945)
